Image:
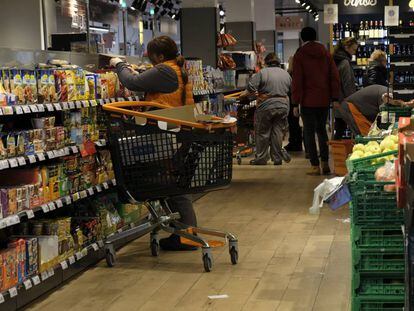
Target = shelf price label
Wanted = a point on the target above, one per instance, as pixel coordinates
(90, 191)
(49, 107)
(7, 110)
(71, 105)
(52, 206)
(40, 108)
(85, 103)
(18, 109)
(26, 109)
(105, 185)
(30, 213)
(95, 246)
(21, 161)
(78, 104)
(65, 106)
(64, 265)
(75, 196)
(114, 182)
(100, 243)
(1, 298)
(4, 164)
(83, 194)
(59, 203)
(66, 150)
(13, 162)
(68, 199)
(36, 280)
(45, 208)
(99, 188)
(28, 284)
(32, 158)
(72, 260)
(50, 154)
(51, 272)
(3, 223)
(93, 103)
(13, 292)
(41, 156)
(74, 149)
(78, 255)
(44, 275)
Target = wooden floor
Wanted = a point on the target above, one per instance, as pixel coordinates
(289, 259)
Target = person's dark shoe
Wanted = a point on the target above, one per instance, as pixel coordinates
(307, 156)
(277, 162)
(285, 155)
(293, 148)
(325, 168)
(256, 162)
(173, 243)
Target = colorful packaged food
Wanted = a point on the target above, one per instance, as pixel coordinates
(43, 85)
(10, 267)
(16, 85)
(29, 86)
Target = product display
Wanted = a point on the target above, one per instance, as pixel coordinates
(363, 31)
(50, 85)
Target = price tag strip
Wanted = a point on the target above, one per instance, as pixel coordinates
(41, 156)
(36, 280)
(21, 161)
(95, 246)
(32, 159)
(64, 265)
(72, 260)
(30, 214)
(28, 284)
(13, 292)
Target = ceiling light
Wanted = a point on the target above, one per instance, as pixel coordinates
(297, 1)
(316, 18)
(308, 7)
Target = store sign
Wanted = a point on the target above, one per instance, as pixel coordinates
(330, 13)
(284, 23)
(350, 7)
(391, 16)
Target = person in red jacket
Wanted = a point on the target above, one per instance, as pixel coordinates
(315, 84)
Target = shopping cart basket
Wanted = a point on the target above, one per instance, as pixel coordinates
(245, 110)
(152, 164)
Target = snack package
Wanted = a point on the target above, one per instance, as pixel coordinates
(10, 266)
(16, 85)
(53, 96)
(29, 86)
(5, 73)
(11, 145)
(20, 249)
(61, 85)
(43, 85)
(71, 84)
(4, 202)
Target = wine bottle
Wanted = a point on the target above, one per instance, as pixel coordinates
(371, 30)
(376, 30)
(380, 30)
(361, 33)
(347, 30)
(366, 30)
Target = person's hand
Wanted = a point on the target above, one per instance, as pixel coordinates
(296, 112)
(115, 61)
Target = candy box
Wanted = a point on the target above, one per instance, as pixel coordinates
(4, 202)
(43, 85)
(31, 256)
(61, 85)
(12, 201)
(29, 86)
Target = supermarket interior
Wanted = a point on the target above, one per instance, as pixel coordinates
(207, 155)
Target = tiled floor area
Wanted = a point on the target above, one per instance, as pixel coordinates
(289, 259)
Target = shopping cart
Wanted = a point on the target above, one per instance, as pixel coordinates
(163, 153)
(244, 110)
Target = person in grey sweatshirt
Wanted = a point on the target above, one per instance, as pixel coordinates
(271, 86)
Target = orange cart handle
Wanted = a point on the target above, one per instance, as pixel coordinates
(121, 109)
(234, 95)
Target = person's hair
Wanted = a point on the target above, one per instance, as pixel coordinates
(346, 43)
(271, 60)
(166, 46)
(378, 55)
(308, 34)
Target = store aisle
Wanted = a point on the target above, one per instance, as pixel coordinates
(289, 260)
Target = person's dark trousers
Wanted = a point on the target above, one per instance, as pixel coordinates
(340, 128)
(314, 122)
(295, 132)
(183, 205)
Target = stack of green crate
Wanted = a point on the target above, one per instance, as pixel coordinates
(377, 239)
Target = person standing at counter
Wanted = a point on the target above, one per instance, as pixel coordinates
(166, 83)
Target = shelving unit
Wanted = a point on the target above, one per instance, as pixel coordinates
(37, 285)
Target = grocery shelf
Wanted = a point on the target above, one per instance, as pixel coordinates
(22, 161)
(38, 285)
(56, 204)
(50, 107)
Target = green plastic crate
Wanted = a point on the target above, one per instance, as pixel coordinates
(376, 303)
(368, 162)
(366, 139)
(378, 285)
(391, 114)
(366, 212)
(378, 262)
(379, 237)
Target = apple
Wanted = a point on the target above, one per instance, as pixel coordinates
(387, 144)
(358, 153)
(373, 143)
(373, 149)
(394, 138)
(354, 156)
(357, 147)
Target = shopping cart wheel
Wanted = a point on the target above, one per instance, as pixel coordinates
(110, 258)
(234, 252)
(207, 260)
(239, 160)
(155, 244)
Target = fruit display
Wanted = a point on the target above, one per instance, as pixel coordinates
(389, 143)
